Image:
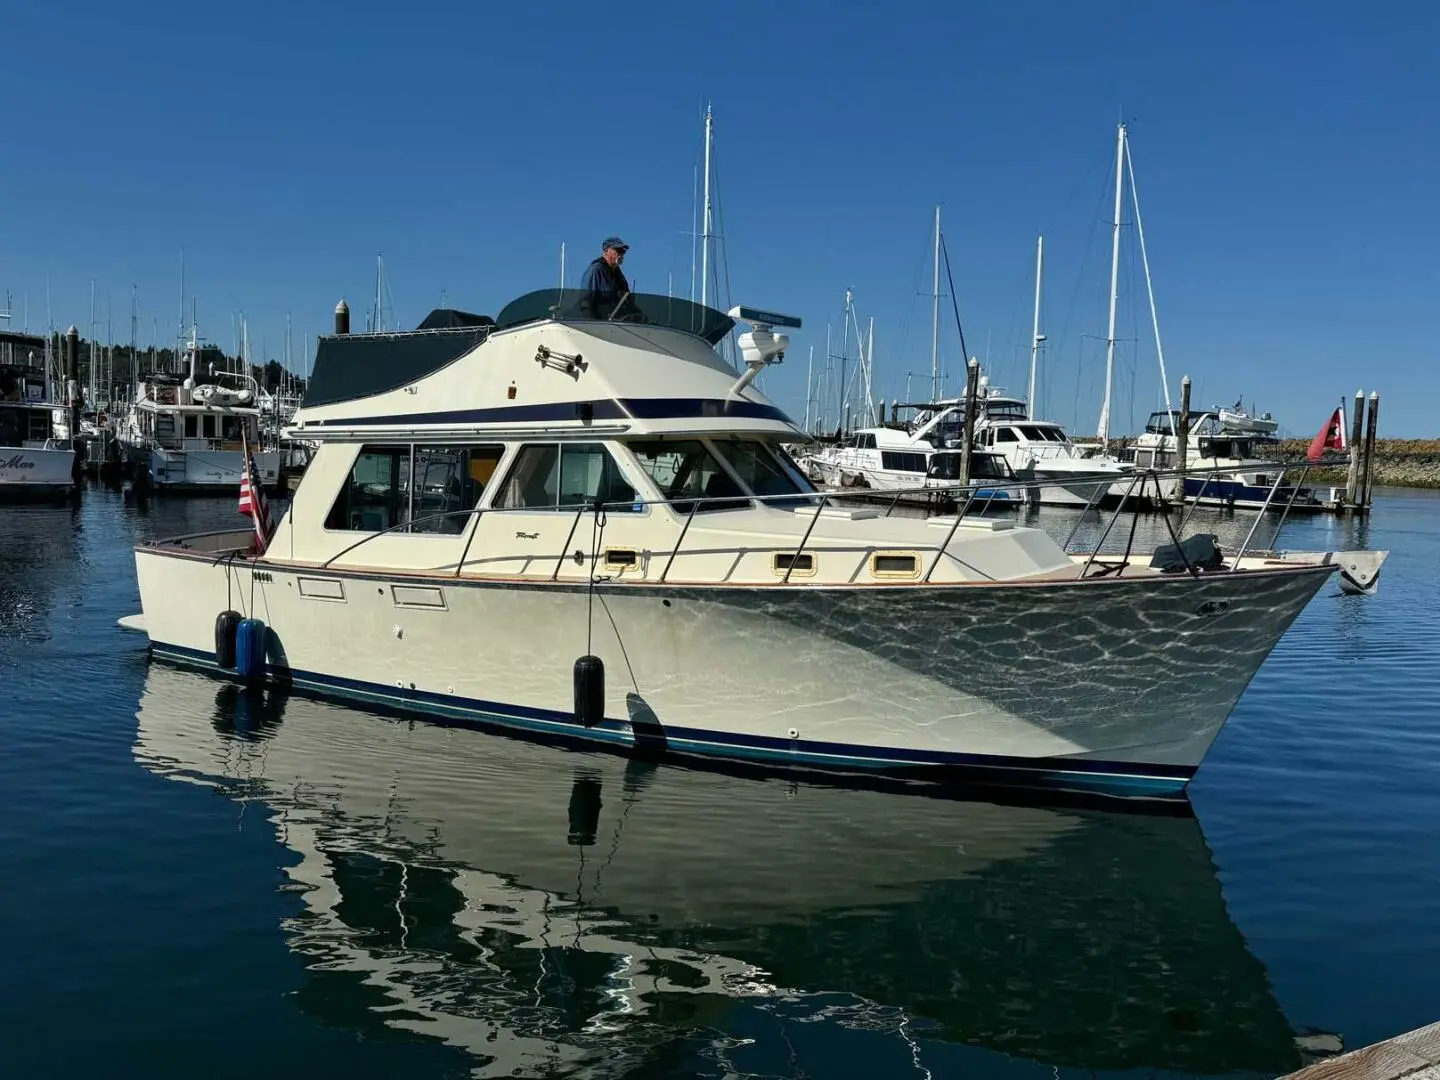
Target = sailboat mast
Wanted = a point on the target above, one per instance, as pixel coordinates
(1035, 337)
(379, 269)
(1149, 286)
(1104, 426)
(809, 385)
(870, 372)
(935, 317)
(705, 233)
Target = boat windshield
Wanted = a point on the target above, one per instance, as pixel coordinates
(643, 308)
(1007, 410)
(691, 477)
(763, 472)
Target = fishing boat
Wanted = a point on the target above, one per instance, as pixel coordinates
(582, 528)
(185, 436)
(554, 913)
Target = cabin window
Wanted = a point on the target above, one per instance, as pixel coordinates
(561, 476)
(865, 442)
(903, 461)
(449, 480)
(39, 425)
(1006, 434)
(376, 494)
(688, 475)
(208, 425)
(230, 428)
(192, 426)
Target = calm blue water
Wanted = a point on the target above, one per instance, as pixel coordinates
(200, 881)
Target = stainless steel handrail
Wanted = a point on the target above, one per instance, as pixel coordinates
(821, 499)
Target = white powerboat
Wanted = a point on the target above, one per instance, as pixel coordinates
(184, 436)
(36, 462)
(1234, 458)
(1062, 473)
(582, 528)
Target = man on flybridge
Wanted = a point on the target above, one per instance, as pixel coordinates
(605, 286)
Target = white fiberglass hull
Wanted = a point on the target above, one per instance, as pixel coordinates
(1068, 683)
(207, 470)
(35, 473)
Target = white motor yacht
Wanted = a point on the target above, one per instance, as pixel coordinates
(1062, 473)
(1234, 456)
(36, 462)
(583, 529)
(188, 436)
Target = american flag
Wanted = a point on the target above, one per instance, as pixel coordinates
(252, 499)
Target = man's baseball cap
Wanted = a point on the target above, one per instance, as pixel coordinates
(614, 242)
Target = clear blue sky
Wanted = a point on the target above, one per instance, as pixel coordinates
(1285, 155)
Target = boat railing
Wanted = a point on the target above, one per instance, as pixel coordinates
(977, 496)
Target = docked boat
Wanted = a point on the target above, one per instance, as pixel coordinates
(182, 436)
(887, 459)
(1058, 472)
(1234, 456)
(584, 529)
(36, 462)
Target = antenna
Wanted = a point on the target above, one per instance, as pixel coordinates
(705, 235)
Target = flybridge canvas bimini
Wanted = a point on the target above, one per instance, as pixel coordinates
(586, 529)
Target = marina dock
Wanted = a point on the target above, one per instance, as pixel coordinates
(1413, 1056)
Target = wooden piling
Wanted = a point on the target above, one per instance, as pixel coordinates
(72, 382)
(1357, 426)
(972, 389)
(1368, 482)
(1182, 441)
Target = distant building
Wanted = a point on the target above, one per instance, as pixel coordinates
(21, 350)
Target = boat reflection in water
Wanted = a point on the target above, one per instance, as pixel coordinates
(561, 913)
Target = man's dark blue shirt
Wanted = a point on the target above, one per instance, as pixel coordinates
(601, 290)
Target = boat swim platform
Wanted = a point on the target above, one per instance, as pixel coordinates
(1412, 1056)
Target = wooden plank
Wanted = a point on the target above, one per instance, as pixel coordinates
(1387, 1060)
(1424, 1043)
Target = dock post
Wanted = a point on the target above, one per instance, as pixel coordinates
(1369, 478)
(1182, 441)
(342, 317)
(972, 388)
(72, 382)
(1357, 427)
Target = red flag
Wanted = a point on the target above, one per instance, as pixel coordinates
(252, 499)
(1331, 437)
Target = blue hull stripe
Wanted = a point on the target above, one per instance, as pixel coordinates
(608, 409)
(1122, 778)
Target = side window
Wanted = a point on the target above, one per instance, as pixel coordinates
(208, 425)
(192, 426)
(450, 479)
(565, 477)
(1006, 434)
(376, 494)
(230, 428)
